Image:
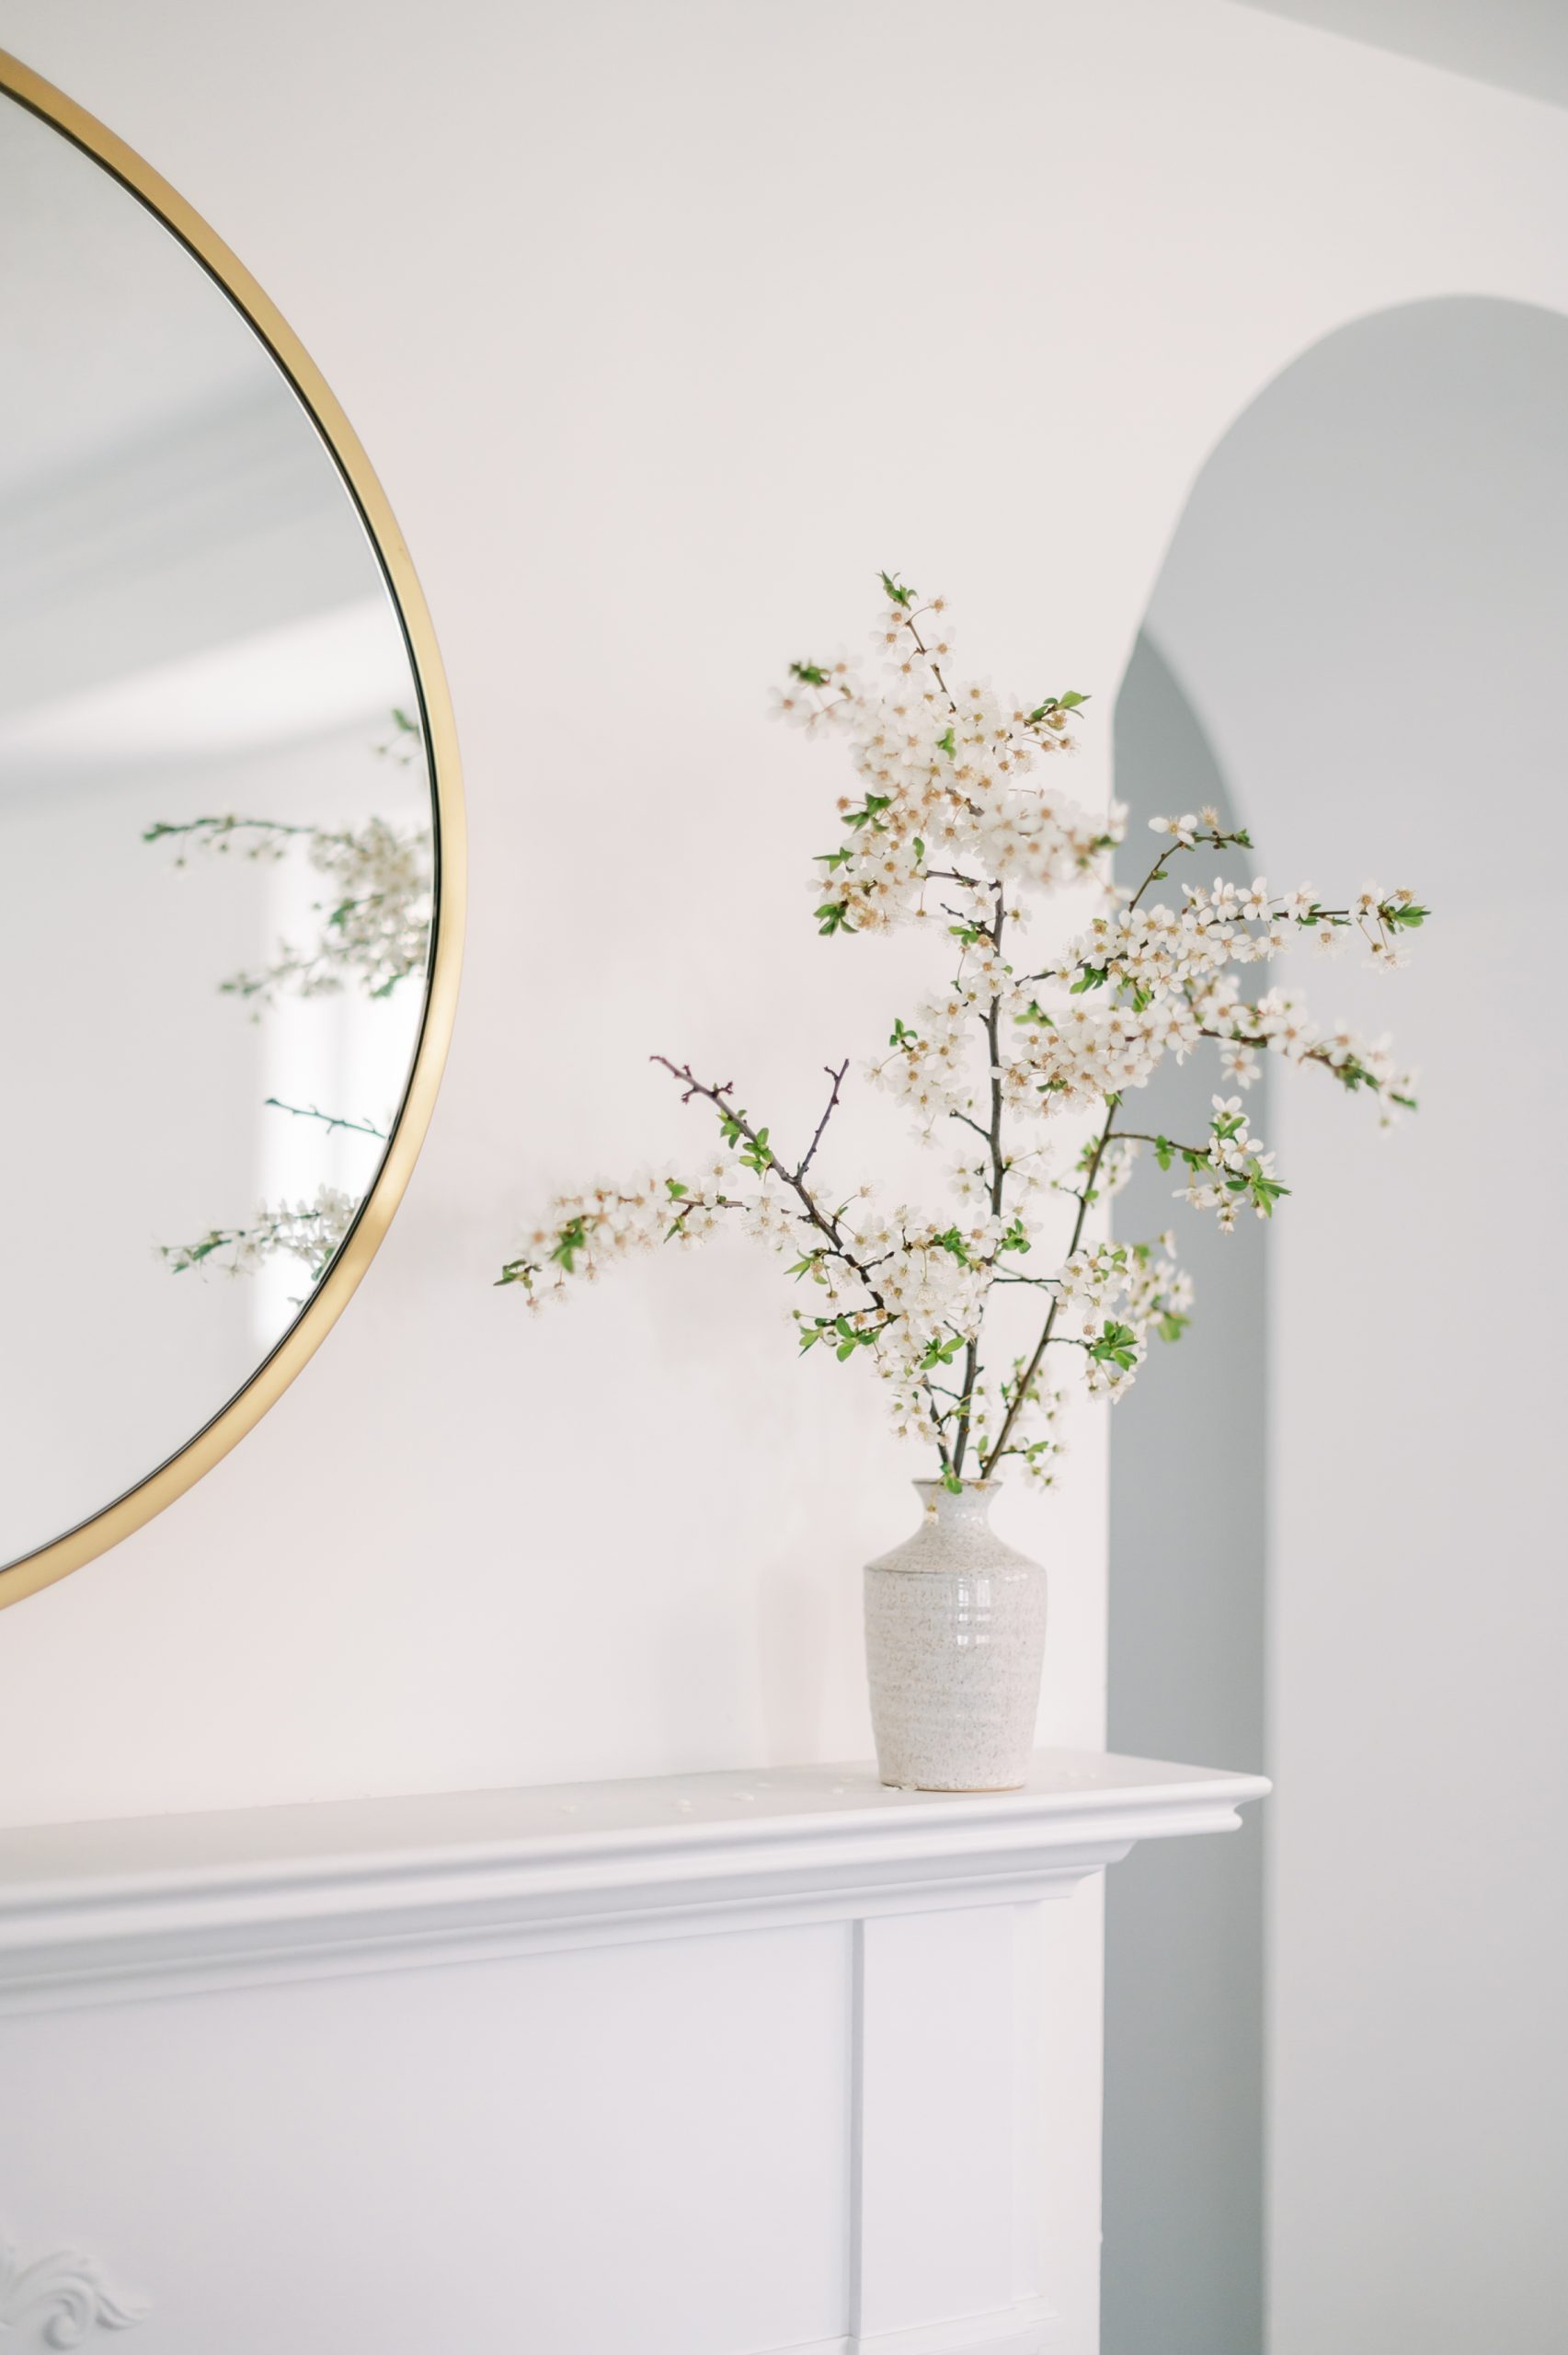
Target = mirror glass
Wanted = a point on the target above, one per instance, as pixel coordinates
(216, 843)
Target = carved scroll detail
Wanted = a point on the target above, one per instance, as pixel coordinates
(60, 2299)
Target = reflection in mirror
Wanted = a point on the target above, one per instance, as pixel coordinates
(218, 844)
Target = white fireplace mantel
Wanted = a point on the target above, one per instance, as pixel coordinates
(144, 1905)
(693, 2065)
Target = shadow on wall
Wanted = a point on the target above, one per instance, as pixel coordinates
(1365, 606)
(1183, 1931)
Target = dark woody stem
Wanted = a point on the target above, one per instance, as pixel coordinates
(990, 1022)
(825, 1222)
(1033, 1368)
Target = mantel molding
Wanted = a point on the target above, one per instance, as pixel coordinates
(161, 1905)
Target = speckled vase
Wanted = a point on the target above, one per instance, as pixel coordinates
(955, 1642)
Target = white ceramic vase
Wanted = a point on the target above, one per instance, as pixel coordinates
(955, 1642)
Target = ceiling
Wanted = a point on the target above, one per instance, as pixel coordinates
(1517, 44)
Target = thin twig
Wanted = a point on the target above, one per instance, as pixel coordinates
(825, 1222)
(329, 1120)
(838, 1079)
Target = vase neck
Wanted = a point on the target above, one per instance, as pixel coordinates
(967, 1507)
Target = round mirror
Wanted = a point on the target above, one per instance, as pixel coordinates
(230, 825)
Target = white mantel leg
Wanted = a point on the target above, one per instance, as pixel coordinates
(945, 2222)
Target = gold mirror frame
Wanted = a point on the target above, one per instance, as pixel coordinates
(273, 1376)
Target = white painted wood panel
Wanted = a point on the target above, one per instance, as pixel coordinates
(938, 2007)
(637, 2148)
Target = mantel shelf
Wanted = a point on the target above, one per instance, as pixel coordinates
(153, 1905)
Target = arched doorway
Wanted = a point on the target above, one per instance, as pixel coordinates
(1359, 628)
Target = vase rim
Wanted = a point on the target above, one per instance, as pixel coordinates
(987, 1487)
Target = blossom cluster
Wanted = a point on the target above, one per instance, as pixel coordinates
(957, 822)
(955, 813)
(375, 921)
(309, 1231)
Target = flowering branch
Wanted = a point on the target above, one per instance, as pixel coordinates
(955, 792)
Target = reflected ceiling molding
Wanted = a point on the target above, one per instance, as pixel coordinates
(284, 686)
(128, 544)
(1519, 45)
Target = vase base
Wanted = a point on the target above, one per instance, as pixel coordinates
(955, 1790)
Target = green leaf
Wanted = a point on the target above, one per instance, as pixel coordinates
(1093, 977)
(1118, 1345)
(896, 592)
(940, 1350)
(920, 851)
(572, 1238)
(1163, 1152)
(674, 1189)
(810, 674)
(947, 744)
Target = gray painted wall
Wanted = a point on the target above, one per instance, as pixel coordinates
(1184, 2164)
(1367, 603)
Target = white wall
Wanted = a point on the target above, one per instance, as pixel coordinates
(626, 307)
(666, 326)
(1366, 603)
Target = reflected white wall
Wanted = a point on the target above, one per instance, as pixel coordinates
(137, 1114)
